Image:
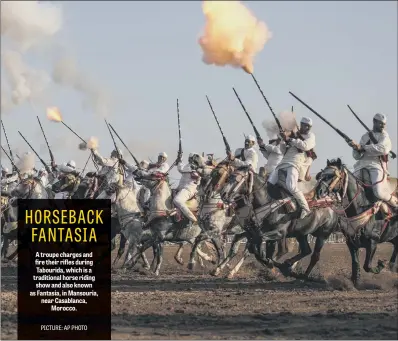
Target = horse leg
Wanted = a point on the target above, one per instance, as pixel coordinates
(155, 250)
(370, 252)
(270, 246)
(145, 261)
(8, 239)
(192, 260)
(283, 248)
(233, 251)
(305, 250)
(133, 260)
(355, 272)
(236, 268)
(394, 255)
(177, 256)
(316, 255)
(122, 246)
(204, 255)
(4, 248)
(159, 257)
(219, 248)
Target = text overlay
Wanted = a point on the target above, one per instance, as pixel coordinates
(64, 269)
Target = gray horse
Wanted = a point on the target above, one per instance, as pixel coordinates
(162, 224)
(367, 220)
(268, 213)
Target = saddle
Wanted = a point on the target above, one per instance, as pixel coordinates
(279, 192)
(193, 206)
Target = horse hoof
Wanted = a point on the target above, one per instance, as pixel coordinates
(147, 267)
(230, 276)
(215, 272)
(179, 260)
(380, 264)
(190, 266)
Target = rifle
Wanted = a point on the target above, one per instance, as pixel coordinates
(179, 130)
(269, 106)
(41, 160)
(45, 138)
(179, 154)
(12, 162)
(8, 144)
(371, 136)
(113, 139)
(227, 147)
(248, 116)
(338, 131)
(135, 160)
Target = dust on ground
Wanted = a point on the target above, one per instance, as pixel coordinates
(257, 304)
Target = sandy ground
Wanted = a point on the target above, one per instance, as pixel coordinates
(183, 304)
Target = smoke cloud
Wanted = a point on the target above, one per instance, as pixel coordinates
(25, 25)
(26, 162)
(287, 120)
(95, 96)
(26, 83)
(232, 35)
(29, 23)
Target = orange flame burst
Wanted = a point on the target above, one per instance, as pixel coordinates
(232, 35)
(53, 114)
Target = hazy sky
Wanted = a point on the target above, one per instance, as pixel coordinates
(146, 55)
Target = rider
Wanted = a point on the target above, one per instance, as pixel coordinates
(42, 175)
(160, 166)
(374, 158)
(190, 179)
(294, 160)
(110, 172)
(246, 156)
(272, 152)
(210, 162)
(68, 180)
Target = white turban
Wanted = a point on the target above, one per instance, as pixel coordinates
(251, 138)
(380, 117)
(163, 154)
(306, 120)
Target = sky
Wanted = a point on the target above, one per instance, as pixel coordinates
(145, 55)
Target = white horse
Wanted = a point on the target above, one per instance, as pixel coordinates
(162, 225)
(27, 188)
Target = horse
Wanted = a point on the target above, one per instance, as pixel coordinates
(127, 219)
(213, 214)
(27, 188)
(268, 213)
(164, 223)
(217, 218)
(367, 220)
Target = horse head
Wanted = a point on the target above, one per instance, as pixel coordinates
(214, 183)
(240, 182)
(332, 180)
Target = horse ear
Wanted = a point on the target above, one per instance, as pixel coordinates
(339, 163)
(328, 162)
